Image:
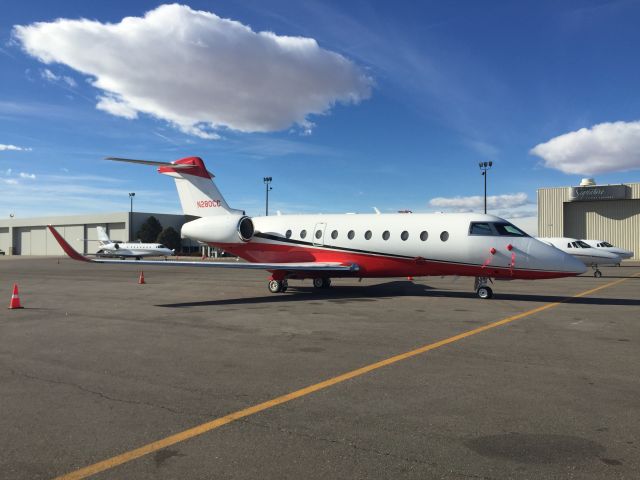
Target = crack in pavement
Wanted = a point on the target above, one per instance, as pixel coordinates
(93, 392)
(360, 448)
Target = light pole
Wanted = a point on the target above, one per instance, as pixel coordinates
(485, 166)
(267, 182)
(131, 195)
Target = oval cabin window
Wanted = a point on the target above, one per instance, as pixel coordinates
(444, 236)
(367, 235)
(334, 234)
(318, 234)
(288, 234)
(404, 235)
(303, 233)
(351, 234)
(385, 235)
(423, 236)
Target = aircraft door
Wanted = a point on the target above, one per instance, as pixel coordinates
(318, 234)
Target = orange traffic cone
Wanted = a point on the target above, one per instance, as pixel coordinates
(15, 298)
(141, 279)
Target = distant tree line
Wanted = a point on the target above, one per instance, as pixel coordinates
(151, 231)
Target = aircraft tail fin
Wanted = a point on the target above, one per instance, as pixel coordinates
(198, 193)
(103, 238)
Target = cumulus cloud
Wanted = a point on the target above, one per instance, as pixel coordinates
(198, 71)
(30, 176)
(477, 202)
(4, 147)
(606, 147)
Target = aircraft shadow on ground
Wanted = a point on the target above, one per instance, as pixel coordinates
(350, 294)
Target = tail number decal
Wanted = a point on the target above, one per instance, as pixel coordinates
(208, 203)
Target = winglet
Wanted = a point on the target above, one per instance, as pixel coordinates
(68, 249)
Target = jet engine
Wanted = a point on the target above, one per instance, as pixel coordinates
(220, 229)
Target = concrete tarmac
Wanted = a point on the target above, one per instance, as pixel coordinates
(97, 365)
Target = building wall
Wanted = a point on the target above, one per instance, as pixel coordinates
(29, 236)
(616, 221)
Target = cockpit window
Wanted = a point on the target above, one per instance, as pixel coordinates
(606, 244)
(480, 228)
(161, 246)
(582, 244)
(509, 230)
(503, 229)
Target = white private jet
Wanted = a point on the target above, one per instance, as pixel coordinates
(584, 252)
(607, 247)
(124, 250)
(345, 245)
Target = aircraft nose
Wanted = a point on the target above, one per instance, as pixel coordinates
(573, 265)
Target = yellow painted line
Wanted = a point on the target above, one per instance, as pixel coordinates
(219, 422)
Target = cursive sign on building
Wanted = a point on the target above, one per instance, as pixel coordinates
(598, 192)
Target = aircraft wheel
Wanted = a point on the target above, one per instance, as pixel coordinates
(484, 292)
(275, 286)
(327, 282)
(284, 286)
(597, 274)
(138, 258)
(319, 282)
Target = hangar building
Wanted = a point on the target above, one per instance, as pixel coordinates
(30, 236)
(590, 211)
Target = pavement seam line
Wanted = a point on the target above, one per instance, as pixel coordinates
(198, 430)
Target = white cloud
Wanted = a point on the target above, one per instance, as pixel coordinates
(14, 147)
(198, 71)
(606, 147)
(52, 77)
(9, 181)
(30, 176)
(477, 202)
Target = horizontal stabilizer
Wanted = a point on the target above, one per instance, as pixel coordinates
(149, 162)
(299, 266)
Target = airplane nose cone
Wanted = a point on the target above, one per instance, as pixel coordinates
(573, 265)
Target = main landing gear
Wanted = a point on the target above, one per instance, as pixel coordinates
(321, 282)
(483, 290)
(278, 286)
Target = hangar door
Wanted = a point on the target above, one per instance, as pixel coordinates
(4, 240)
(615, 221)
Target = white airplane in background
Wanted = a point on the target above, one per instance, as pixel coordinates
(362, 246)
(124, 250)
(607, 247)
(584, 252)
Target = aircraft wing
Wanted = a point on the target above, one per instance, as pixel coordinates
(299, 266)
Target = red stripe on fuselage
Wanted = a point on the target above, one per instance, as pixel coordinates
(371, 265)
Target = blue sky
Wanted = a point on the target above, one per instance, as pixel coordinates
(392, 106)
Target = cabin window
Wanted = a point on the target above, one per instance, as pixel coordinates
(318, 234)
(386, 235)
(424, 235)
(404, 235)
(334, 234)
(351, 234)
(288, 234)
(480, 228)
(444, 236)
(367, 235)
(569, 245)
(303, 233)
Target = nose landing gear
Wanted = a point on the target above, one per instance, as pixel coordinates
(483, 290)
(596, 272)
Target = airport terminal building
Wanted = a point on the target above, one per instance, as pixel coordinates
(30, 236)
(590, 211)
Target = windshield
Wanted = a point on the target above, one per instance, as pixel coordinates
(503, 229)
(606, 244)
(582, 244)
